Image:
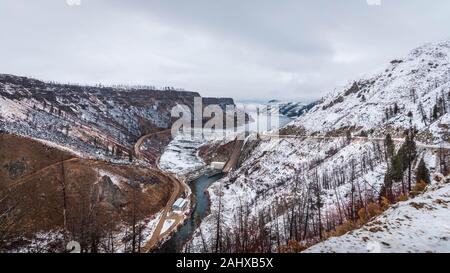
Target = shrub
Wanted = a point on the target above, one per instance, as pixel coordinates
(402, 198)
(363, 216)
(343, 228)
(374, 209)
(292, 247)
(418, 188)
(385, 204)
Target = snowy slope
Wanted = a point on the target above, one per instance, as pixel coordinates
(421, 224)
(291, 109)
(180, 156)
(413, 82)
(282, 173)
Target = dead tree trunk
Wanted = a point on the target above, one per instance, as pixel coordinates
(64, 196)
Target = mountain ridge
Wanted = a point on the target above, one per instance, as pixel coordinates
(413, 83)
(91, 119)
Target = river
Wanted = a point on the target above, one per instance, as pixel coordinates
(200, 209)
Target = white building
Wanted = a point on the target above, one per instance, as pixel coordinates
(180, 204)
(218, 165)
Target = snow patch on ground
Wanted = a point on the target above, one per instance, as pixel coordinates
(180, 156)
(116, 179)
(421, 224)
(168, 223)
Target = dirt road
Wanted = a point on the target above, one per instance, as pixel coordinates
(179, 188)
(141, 140)
(157, 236)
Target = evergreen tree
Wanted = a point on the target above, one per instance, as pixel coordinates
(118, 151)
(386, 189)
(130, 156)
(396, 108)
(397, 167)
(435, 114)
(411, 152)
(407, 151)
(389, 146)
(410, 116)
(423, 174)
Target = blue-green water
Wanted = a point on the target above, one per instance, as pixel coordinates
(199, 211)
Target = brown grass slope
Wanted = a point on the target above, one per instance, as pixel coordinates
(44, 189)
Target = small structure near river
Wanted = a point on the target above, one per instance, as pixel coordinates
(179, 205)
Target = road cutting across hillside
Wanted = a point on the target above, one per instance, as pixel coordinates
(231, 164)
(27, 177)
(180, 186)
(433, 147)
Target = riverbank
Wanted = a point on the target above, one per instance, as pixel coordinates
(200, 208)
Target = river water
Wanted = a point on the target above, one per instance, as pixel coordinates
(201, 208)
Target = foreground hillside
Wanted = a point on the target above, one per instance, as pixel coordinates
(337, 160)
(421, 224)
(45, 191)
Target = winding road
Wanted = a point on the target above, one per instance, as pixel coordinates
(141, 140)
(433, 148)
(179, 187)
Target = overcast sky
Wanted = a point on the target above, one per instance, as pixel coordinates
(245, 49)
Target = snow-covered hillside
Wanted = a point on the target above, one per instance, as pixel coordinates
(96, 121)
(413, 84)
(286, 186)
(421, 224)
(292, 109)
(180, 156)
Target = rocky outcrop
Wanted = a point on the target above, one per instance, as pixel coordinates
(108, 193)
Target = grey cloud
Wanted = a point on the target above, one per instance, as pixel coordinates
(254, 49)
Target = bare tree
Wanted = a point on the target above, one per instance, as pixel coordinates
(64, 197)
